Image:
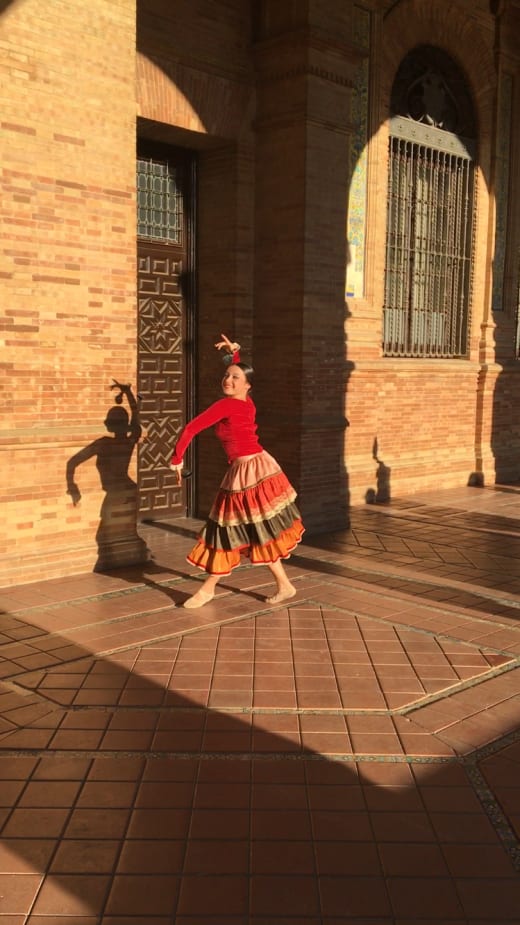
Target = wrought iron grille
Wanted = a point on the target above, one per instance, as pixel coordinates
(159, 202)
(429, 245)
(431, 207)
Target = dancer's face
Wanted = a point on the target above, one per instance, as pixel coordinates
(234, 383)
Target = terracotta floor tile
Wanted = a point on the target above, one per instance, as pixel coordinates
(290, 894)
(327, 743)
(347, 859)
(76, 740)
(266, 682)
(25, 856)
(279, 723)
(124, 769)
(149, 894)
(363, 701)
(223, 858)
(282, 857)
(335, 798)
(267, 771)
(165, 794)
(274, 699)
(202, 920)
(158, 823)
(220, 795)
(97, 823)
(278, 796)
(234, 770)
(351, 896)
(478, 861)
(85, 856)
(228, 894)
(402, 827)
(71, 894)
(341, 826)
(222, 699)
(239, 741)
(392, 798)
(490, 899)
(151, 856)
(174, 741)
(16, 767)
(325, 700)
(375, 744)
(211, 823)
(454, 827)
(283, 825)
(411, 896)
(39, 823)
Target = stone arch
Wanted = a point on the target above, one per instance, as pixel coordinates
(172, 93)
(414, 23)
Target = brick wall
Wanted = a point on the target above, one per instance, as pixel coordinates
(67, 264)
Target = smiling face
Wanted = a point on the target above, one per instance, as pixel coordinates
(234, 383)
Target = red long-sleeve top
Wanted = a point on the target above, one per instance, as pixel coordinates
(235, 427)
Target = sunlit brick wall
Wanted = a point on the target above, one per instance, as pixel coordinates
(67, 267)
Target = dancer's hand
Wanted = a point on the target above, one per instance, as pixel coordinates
(177, 471)
(225, 343)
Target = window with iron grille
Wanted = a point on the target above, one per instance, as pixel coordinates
(430, 209)
(159, 201)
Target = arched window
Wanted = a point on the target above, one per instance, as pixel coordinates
(430, 217)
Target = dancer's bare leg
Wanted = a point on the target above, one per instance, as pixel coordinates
(204, 595)
(284, 588)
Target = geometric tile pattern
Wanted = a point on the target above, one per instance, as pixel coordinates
(352, 758)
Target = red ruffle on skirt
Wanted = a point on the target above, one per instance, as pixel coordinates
(254, 514)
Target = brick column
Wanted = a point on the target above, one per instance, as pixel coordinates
(304, 81)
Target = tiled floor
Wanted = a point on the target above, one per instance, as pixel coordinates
(353, 757)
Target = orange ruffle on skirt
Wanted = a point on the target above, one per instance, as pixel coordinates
(254, 514)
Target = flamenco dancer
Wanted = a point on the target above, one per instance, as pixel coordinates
(254, 512)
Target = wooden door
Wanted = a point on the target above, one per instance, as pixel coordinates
(165, 324)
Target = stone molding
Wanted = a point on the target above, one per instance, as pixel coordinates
(307, 53)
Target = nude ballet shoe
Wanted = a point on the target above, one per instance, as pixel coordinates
(198, 600)
(281, 596)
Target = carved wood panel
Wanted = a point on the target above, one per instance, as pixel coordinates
(162, 375)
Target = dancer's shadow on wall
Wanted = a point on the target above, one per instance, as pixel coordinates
(381, 494)
(117, 539)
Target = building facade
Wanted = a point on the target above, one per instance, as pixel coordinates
(331, 182)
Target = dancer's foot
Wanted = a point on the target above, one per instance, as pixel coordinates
(198, 600)
(282, 595)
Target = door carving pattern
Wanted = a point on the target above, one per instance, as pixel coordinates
(161, 376)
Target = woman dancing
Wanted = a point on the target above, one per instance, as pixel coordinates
(254, 512)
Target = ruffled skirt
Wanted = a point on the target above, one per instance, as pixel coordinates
(254, 514)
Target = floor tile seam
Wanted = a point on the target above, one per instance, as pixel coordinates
(304, 755)
(105, 653)
(401, 620)
(14, 686)
(461, 688)
(418, 562)
(435, 550)
(434, 521)
(139, 587)
(161, 710)
(386, 573)
(494, 812)
(451, 583)
(481, 752)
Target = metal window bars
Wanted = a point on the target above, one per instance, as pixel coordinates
(159, 202)
(429, 242)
